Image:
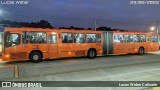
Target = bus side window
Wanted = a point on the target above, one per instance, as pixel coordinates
(139, 37)
(90, 38)
(79, 38)
(67, 38)
(143, 38)
(128, 38)
(98, 38)
(116, 38)
(25, 37)
(37, 37)
(135, 38)
(149, 39)
(52, 39)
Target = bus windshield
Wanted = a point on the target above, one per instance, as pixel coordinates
(11, 39)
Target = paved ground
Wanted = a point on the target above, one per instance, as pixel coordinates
(106, 68)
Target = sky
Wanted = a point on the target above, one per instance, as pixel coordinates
(119, 14)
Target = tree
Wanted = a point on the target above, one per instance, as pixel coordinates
(104, 29)
(72, 27)
(40, 24)
(89, 28)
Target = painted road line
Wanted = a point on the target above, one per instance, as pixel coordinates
(16, 71)
(156, 88)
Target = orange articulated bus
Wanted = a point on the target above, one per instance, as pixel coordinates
(36, 44)
(135, 42)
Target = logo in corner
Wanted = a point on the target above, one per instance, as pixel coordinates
(6, 84)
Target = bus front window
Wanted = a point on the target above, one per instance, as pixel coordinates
(12, 40)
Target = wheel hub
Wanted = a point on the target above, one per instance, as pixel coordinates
(35, 57)
(92, 53)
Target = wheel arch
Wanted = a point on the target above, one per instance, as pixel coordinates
(88, 53)
(35, 51)
(92, 49)
(142, 47)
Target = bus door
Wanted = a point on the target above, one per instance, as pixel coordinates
(128, 46)
(53, 46)
(24, 45)
(118, 44)
(149, 47)
(66, 47)
(79, 44)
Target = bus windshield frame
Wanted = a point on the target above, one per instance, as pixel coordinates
(11, 39)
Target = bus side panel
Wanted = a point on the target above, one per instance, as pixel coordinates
(80, 49)
(154, 46)
(107, 42)
(66, 50)
(97, 46)
(43, 48)
(15, 52)
(136, 46)
(128, 47)
(119, 48)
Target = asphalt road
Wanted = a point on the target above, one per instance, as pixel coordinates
(103, 68)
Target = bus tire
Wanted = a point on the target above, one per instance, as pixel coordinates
(91, 53)
(141, 51)
(35, 57)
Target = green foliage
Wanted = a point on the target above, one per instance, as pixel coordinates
(40, 24)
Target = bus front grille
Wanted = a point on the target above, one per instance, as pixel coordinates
(18, 55)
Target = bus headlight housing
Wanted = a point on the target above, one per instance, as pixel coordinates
(6, 57)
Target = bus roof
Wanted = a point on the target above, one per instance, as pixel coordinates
(117, 32)
(69, 30)
(47, 29)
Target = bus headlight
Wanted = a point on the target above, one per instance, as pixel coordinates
(6, 57)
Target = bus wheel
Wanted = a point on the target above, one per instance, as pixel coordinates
(35, 57)
(141, 51)
(92, 53)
